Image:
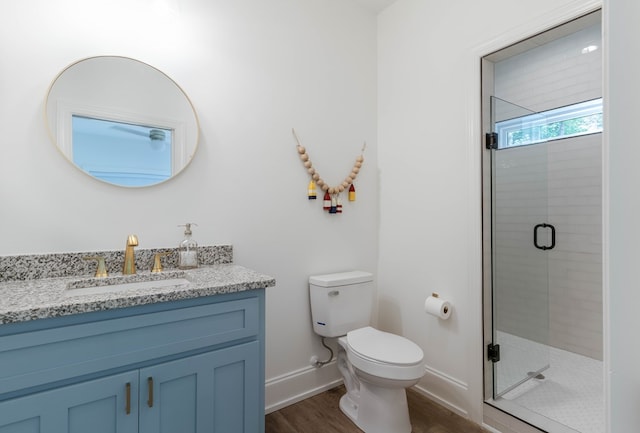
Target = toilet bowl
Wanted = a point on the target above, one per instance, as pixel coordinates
(376, 366)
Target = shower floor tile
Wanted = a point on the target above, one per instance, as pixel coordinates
(571, 392)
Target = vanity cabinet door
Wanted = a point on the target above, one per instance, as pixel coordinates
(106, 405)
(215, 392)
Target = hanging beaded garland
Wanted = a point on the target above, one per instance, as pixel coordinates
(331, 200)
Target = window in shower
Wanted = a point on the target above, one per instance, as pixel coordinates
(564, 122)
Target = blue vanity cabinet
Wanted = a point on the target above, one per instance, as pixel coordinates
(186, 366)
(213, 392)
(104, 405)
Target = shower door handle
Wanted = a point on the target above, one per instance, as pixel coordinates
(553, 236)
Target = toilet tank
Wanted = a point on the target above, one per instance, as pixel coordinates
(340, 302)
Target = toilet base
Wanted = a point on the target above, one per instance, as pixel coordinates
(378, 409)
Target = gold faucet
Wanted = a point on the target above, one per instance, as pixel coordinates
(157, 264)
(129, 256)
(101, 270)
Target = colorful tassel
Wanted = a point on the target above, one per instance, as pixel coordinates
(334, 205)
(312, 190)
(332, 202)
(327, 202)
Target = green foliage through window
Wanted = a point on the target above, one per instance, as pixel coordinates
(570, 121)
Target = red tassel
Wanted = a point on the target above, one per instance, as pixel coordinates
(327, 202)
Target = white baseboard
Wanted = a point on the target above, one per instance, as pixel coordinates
(292, 387)
(287, 389)
(436, 384)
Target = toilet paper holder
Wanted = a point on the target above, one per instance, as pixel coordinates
(446, 308)
(441, 308)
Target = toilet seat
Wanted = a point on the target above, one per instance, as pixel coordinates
(384, 355)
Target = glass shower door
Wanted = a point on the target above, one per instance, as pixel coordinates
(520, 238)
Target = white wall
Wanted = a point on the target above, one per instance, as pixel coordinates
(253, 70)
(429, 155)
(622, 235)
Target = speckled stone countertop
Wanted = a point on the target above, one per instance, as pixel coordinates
(39, 298)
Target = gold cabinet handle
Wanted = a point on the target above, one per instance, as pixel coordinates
(150, 390)
(127, 398)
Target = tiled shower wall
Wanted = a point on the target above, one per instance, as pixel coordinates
(553, 75)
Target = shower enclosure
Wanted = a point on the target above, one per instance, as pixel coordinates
(542, 213)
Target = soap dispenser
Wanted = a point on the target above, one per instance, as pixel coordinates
(187, 250)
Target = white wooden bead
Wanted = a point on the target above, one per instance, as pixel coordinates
(304, 157)
(325, 187)
(332, 190)
(301, 149)
(358, 164)
(349, 179)
(345, 184)
(360, 159)
(319, 182)
(307, 164)
(353, 174)
(311, 171)
(315, 177)
(356, 169)
(341, 188)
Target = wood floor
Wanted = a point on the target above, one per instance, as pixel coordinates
(321, 414)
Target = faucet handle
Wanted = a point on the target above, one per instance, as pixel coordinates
(157, 264)
(101, 270)
(132, 241)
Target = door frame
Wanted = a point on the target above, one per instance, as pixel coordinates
(478, 124)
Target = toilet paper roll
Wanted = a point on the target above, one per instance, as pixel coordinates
(437, 307)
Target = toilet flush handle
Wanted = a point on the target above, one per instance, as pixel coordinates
(334, 293)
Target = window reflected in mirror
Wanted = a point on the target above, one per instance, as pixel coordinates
(122, 153)
(121, 121)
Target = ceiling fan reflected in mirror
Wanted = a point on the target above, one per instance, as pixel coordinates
(155, 135)
(152, 133)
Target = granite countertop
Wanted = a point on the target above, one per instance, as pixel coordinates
(34, 299)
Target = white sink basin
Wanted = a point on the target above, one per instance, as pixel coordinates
(111, 288)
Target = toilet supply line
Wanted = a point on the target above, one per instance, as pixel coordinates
(316, 362)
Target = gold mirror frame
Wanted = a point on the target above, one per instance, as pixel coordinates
(123, 91)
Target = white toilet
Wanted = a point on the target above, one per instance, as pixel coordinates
(376, 366)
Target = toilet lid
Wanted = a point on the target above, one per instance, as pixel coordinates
(384, 347)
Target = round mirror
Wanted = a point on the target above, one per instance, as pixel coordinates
(121, 121)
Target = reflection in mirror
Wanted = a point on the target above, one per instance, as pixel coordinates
(121, 121)
(121, 153)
